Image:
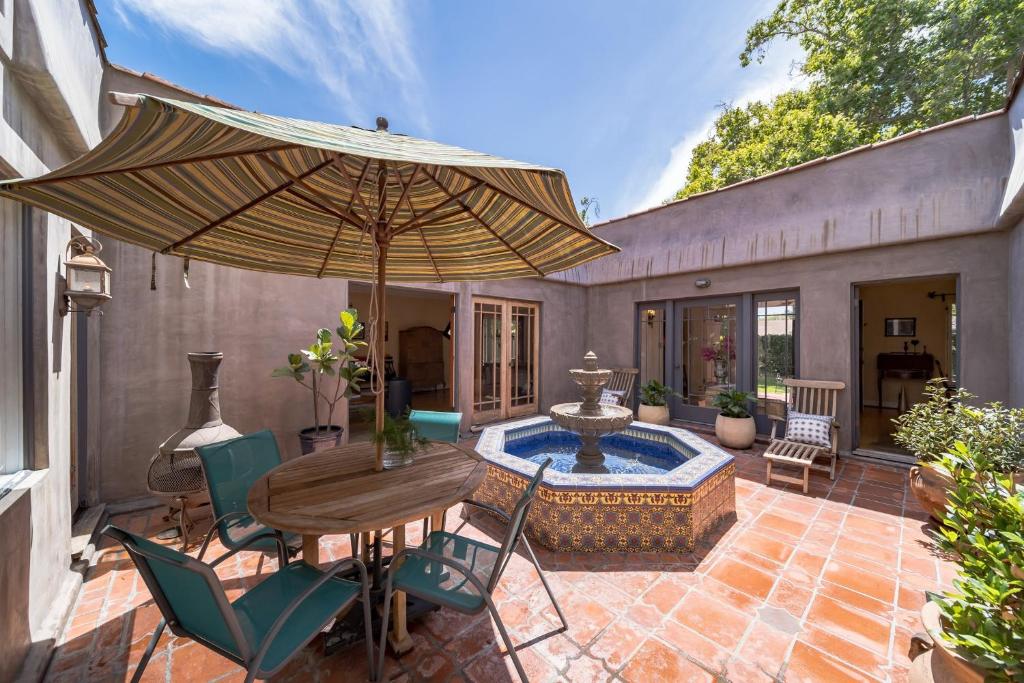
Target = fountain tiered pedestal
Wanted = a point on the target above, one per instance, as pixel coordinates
(591, 419)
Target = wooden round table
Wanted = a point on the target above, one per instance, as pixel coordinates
(336, 491)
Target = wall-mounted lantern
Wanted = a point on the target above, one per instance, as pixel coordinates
(87, 278)
(702, 283)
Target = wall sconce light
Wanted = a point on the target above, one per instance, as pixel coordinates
(86, 277)
(702, 283)
(650, 314)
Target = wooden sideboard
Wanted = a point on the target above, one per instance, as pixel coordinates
(421, 357)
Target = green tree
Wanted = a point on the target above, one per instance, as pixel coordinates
(876, 69)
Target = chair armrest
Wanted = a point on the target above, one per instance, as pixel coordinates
(213, 527)
(490, 508)
(447, 562)
(282, 550)
(330, 573)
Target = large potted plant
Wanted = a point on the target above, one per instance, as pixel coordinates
(734, 425)
(931, 428)
(401, 441)
(976, 630)
(330, 372)
(654, 403)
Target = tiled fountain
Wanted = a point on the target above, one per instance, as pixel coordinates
(615, 485)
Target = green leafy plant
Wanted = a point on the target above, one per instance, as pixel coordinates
(984, 613)
(930, 428)
(654, 393)
(314, 367)
(733, 403)
(400, 436)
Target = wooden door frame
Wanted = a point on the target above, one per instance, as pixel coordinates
(505, 409)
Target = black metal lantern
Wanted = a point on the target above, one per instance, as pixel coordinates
(87, 278)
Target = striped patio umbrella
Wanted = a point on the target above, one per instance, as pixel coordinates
(284, 195)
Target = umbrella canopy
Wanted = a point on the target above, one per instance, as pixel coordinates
(290, 196)
(298, 197)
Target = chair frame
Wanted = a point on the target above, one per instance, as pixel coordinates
(624, 380)
(249, 659)
(817, 397)
(508, 548)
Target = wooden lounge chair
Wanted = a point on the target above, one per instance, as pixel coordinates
(623, 380)
(816, 397)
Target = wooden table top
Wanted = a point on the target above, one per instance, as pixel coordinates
(336, 491)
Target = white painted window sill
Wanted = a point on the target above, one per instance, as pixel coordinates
(14, 485)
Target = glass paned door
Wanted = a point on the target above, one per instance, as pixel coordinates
(506, 337)
(775, 320)
(651, 343)
(707, 359)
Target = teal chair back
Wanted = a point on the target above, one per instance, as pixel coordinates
(231, 468)
(436, 426)
(187, 593)
(516, 526)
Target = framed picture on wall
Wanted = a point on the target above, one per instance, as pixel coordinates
(900, 327)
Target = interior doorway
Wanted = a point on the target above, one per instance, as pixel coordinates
(506, 371)
(419, 346)
(906, 335)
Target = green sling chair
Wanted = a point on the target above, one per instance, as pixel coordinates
(231, 468)
(264, 628)
(461, 573)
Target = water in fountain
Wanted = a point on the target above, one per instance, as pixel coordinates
(591, 419)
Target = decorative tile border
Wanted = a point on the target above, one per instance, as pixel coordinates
(669, 512)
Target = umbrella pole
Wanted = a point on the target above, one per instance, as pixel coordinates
(381, 285)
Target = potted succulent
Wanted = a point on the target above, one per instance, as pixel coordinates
(654, 403)
(976, 630)
(734, 425)
(400, 440)
(930, 428)
(330, 372)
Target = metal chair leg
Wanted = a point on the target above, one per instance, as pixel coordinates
(547, 587)
(384, 622)
(137, 676)
(507, 640)
(368, 625)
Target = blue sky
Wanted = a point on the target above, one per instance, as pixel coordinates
(614, 93)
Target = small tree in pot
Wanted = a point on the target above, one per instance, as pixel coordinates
(654, 403)
(734, 425)
(330, 372)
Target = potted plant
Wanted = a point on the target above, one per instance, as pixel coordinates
(721, 352)
(930, 428)
(654, 403)
(976, 630)
(330, 372)
(400, 440)
(734, 425)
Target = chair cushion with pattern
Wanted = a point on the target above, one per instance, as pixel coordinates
(815, 430)
(611, 398)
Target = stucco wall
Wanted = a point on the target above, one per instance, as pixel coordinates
(1015, 310)
(826, 286)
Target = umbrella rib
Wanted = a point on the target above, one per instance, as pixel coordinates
(405, 193)
(412, 210)
(157, 164)
(481, 221)
(245, 207)
(341, 224)
(419, 222)
(348, 215)
(352, 186)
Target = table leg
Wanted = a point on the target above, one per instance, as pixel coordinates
(311, 550)
(399, 636)
(437, 521)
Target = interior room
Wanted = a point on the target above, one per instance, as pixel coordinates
(907, 336)
(418, 349)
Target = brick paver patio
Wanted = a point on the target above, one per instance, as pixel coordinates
(818, 587)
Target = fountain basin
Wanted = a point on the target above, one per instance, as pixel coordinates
(666, 488)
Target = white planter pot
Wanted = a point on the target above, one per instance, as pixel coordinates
(735, 432)
(655, 415)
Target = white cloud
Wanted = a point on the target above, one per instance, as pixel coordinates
(769, 79)
(331, 42)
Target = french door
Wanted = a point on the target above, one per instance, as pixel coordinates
(709, 359)
(506, 336)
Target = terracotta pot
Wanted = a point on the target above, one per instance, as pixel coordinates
(655, 415)
(942, 663)
(735, 432)
(930, 486)
(329, 437)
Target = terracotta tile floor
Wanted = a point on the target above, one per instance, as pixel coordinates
(818, 587)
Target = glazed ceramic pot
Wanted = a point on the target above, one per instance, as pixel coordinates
(930, 486)
(735, 432)
(328, 437)
(942, 663)
(655, 415)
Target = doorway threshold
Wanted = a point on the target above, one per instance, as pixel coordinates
(884, 457)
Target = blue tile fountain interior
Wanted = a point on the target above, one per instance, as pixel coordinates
(624, 453)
